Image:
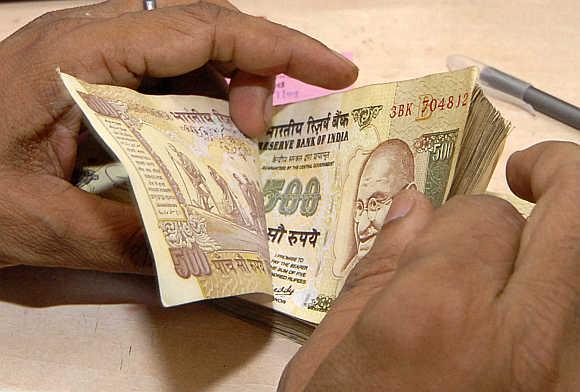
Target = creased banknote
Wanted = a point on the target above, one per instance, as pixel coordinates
(293, 213)
(194, 176)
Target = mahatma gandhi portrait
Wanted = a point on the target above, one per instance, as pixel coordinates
(388, 170)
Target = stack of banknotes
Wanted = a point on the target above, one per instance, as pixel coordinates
(281, 221)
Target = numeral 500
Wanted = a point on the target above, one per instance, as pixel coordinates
(292, 197)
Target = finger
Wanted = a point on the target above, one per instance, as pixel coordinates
(445, 267)
(165, 42)
(114, 8)
(250, 99)
(77, 16)
(107, 235)
(74, 229)
(397, 233)
(460, 261)
(548, 263)
(175, 40)
(531, 172)
(468, 248)
(407, 217)
(409, 214)
(205, 81)
(82, 15)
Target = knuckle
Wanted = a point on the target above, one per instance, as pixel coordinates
(370, 273)
(407, 318)
(448, 307)
(194, 20)
(228, 4)
(486, 212)
(209, 12)
(55, 22)
(491, 224)
(52, 38)
(461, 202)
(48, 17)
(220, 15)
(567, 176)
(501, 211)
(562, 148)
(559, 160)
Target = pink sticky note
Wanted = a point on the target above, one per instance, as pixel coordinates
(291, 90)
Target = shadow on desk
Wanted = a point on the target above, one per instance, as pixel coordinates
(186, 348)
(41, 287)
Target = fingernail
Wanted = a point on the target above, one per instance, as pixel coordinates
(343, 58)
(268, 110)
(402, 204)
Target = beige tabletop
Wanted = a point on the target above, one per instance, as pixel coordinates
(79, 331)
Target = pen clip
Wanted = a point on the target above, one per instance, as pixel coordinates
(455, 62)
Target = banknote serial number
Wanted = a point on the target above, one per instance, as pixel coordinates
(428, 104)
(292, 196)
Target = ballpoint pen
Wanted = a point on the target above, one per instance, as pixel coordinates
(531, 97)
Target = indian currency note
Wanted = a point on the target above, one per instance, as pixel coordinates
(194, 177)
(329, 170)
(101, 178)
(331, 166)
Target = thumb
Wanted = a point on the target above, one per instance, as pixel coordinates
(251, 102)
(409, 214)
(59, 225)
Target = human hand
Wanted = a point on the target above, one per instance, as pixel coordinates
(44, 220)
(469, 297)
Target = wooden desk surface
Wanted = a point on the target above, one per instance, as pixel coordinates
(77, 331)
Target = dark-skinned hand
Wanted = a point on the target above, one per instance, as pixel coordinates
(181, 46)
(468, 297)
